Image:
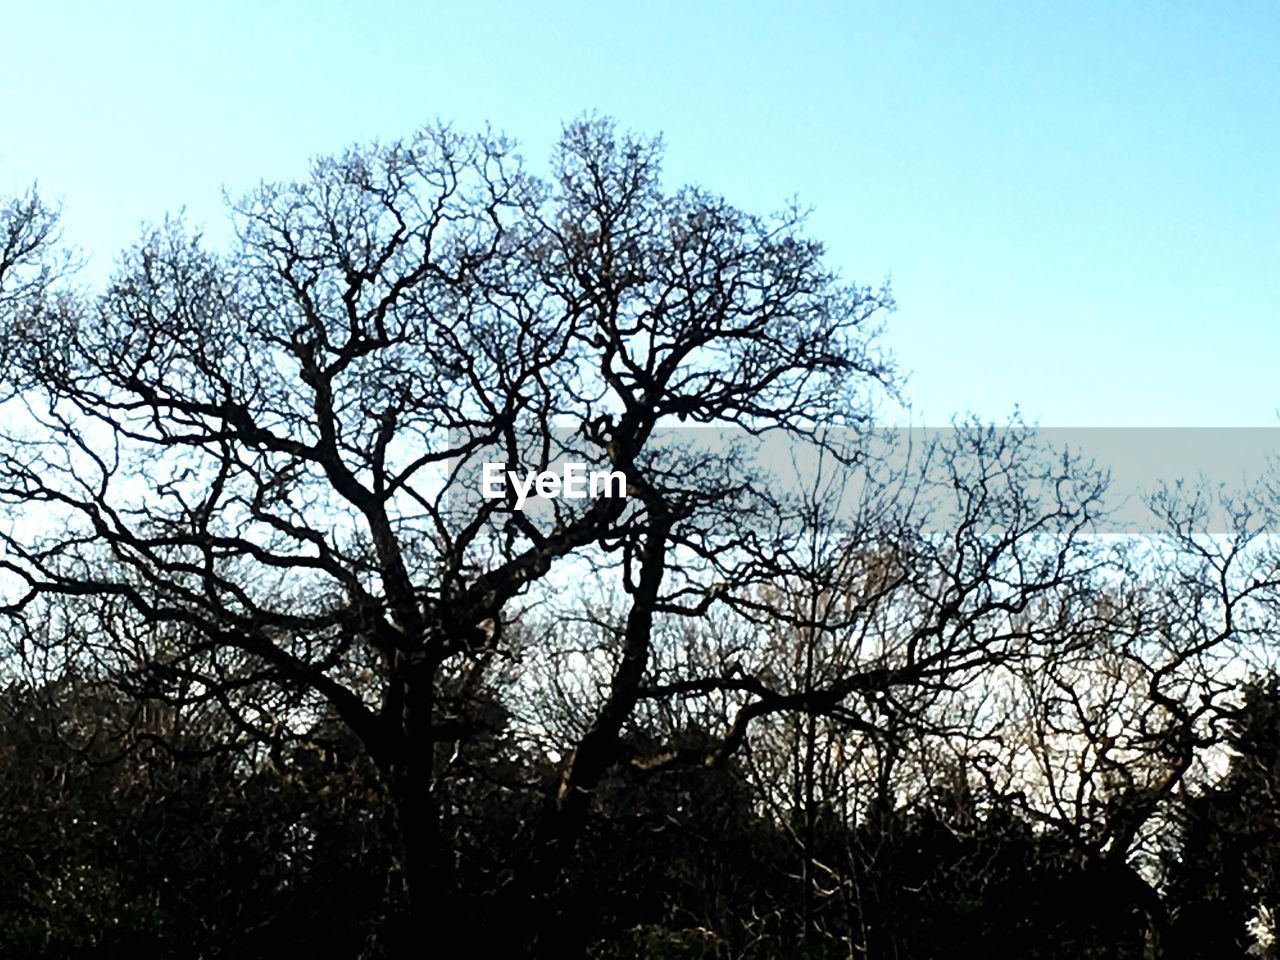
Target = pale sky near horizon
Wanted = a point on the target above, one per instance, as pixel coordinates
(1078, 204)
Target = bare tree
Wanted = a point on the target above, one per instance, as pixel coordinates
(881, 653)
(28, 261)
(255, 470)
(1117, 730)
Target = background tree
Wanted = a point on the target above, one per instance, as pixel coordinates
(1224, 865)
(127, 829)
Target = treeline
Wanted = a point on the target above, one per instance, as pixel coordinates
(123, 847)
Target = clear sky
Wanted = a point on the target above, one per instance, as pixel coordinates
(1078, 203)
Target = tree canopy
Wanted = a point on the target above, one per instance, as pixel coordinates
(267, 641)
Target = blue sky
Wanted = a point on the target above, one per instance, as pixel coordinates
(1078, 204)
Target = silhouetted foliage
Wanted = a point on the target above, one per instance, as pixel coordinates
(1225, 867)
(117, 845)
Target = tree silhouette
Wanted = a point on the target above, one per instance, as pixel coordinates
(250, 466)
(274, 638)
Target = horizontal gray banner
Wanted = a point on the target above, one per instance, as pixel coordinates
(1133, 479)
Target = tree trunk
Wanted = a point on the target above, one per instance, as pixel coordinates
(426, 864)
(567, 808)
